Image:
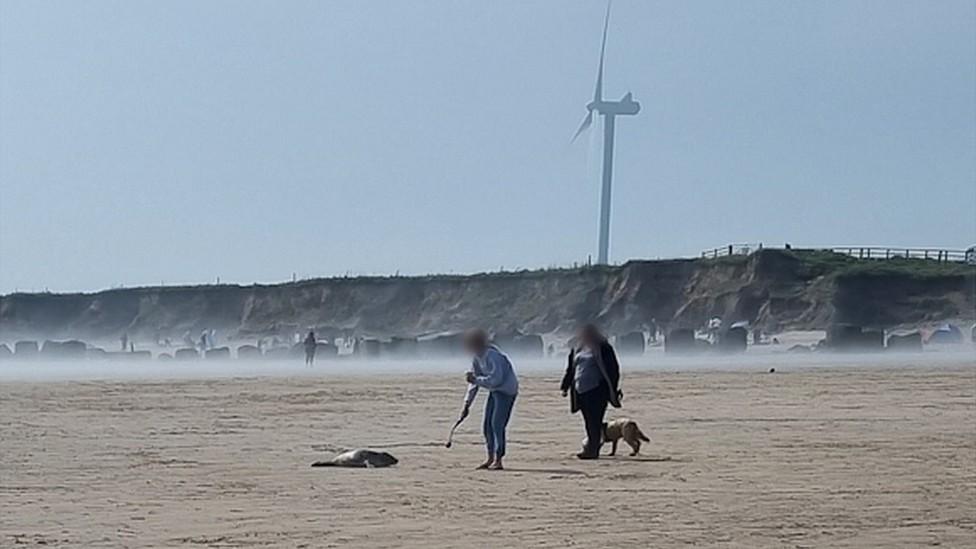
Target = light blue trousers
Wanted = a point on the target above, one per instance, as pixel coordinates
(498, 410)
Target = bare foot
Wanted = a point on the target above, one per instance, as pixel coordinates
(486, 465)
(497, 466)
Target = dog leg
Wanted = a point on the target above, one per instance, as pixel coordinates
(635, 445)
(613, 448)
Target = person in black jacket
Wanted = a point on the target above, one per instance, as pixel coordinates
(592, 380)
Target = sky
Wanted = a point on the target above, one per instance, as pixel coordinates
(146, 142)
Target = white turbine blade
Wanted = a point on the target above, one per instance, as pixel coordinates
(586, 124)
(598, 92)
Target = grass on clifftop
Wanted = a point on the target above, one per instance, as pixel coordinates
(816, 263)
(823, 262)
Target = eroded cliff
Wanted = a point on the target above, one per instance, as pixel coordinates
(774, 289)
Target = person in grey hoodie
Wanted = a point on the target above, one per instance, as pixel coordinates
(490, 369)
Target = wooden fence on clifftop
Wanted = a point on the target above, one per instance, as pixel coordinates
(942, 255)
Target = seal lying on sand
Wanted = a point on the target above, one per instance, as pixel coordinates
(359, 458)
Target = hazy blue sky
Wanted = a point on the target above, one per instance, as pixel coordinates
(180, 141)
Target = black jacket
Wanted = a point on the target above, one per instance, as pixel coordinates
(607, 361)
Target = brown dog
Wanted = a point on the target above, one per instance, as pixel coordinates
(626, 429)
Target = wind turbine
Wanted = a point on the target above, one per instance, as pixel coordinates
(609, 110)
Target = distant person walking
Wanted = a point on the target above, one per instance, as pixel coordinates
(310, 345)
(491, 369)
(592, 381)
(124, 340)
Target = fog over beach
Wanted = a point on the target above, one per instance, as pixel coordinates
(653, 361)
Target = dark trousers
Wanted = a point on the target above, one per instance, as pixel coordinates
(593, 406)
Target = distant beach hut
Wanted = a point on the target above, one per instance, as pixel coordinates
(679, 340)
(872, 340)
(50, 349)
(734, 340)
(74, 348)
(25, 349)
(218, 353)
(186, 353)
(95, 353)
(57, 350)
(905, 342)
(367, 348)
(249, 352)
(945, 334)
(630, 343)
(854, 338)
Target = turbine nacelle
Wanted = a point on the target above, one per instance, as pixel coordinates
(626, 106)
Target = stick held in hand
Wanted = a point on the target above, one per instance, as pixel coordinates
(450, 436)
(461, 418)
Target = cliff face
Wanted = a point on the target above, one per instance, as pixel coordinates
(773, 289)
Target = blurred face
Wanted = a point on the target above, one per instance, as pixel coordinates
(587, 336)
(475, 342)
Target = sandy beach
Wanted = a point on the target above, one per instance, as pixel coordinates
(829, 457)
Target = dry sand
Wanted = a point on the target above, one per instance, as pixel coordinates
(812, 458)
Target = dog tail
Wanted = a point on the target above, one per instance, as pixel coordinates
(641, 435)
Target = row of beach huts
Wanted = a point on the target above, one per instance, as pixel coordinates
(841, 337)
(434, 346)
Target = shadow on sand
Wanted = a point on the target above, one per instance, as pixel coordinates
(646, 459)
(545, 471)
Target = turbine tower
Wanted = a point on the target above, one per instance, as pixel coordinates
(609, 110)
